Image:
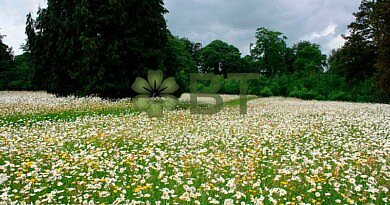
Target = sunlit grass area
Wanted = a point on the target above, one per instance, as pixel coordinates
(284, 151)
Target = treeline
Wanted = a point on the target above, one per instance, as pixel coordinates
(15, 72)
(99, 49)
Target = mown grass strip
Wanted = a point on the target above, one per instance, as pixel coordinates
(236, 102)
(65, 115)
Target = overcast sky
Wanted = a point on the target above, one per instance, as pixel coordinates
(234, 21)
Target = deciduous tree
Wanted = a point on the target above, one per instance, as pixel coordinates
(220, 58)
(270, 50)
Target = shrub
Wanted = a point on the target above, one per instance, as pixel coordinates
(266, 92)
(230, 87)
(295, 92)
(255, 86)
(336, 95)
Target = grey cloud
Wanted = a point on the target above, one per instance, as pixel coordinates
(236, 21)
(13, 18)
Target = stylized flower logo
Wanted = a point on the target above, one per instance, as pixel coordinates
(155, 93)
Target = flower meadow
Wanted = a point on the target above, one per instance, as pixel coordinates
(284, 151)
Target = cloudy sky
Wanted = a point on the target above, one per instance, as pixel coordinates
(13, 20)
(234, 21)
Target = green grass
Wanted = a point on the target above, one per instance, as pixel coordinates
(236, 102)
(64, 115)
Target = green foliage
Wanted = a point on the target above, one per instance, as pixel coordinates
(94, 47)
(280, 84)
(270, 50)
(302, 93)
(195, 49)
(230, 86)
(366, 52)
(380, 25)
(248, 65)
(266, 92)
(308, 58)
(181, 61)
(6, 64)
(220, 58)
(21, 74)
(336, 95)
(295, 92)
(255, 86)
(355, 61)
(227, 86)
(15, 72)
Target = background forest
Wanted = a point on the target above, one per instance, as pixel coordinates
(89, 48)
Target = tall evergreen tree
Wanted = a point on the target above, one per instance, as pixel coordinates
(365, 55)
(367, 49)
(381, 20)
(360, 51)
(94, 47)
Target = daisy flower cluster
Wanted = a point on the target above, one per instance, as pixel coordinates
(26, 103)
(284, 151)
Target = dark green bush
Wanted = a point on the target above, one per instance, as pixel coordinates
(230, 87)
(266, 92)
(337, 95)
